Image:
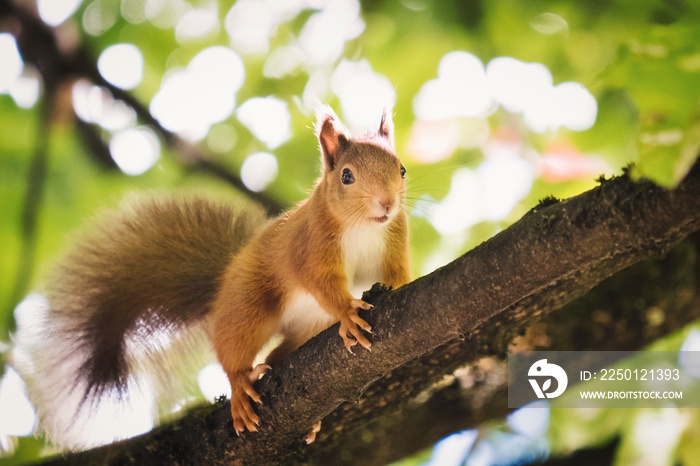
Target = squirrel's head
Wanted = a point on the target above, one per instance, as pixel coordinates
(363, 179)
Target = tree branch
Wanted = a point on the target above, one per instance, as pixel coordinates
(548, 258)
(648, 300)
(39, 46)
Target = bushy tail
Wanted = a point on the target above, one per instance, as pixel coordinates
(136, 285)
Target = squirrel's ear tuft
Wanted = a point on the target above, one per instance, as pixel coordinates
(386, 127)
(331, 136)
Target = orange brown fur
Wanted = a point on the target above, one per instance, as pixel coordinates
(302, 253)
(159, 270)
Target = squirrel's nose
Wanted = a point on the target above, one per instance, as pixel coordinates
(386, 202)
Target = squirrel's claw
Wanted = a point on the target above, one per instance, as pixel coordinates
(350, 326)
(242, 392)
(349, 343)
(311, 436)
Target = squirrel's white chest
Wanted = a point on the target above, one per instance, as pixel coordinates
(363, 248)
(303, 311)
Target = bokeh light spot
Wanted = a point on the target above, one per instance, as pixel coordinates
(165, 14)
(134, 11)
(55, 12)
(549, 23)
(459, 90)
(134, 150)
(364, 94)
(198, 24)
(267, 118)
(531, 420)
(27, 88)
(100, 16)
(191, 100)
(432, 141)
(259, 170)
(325, 33)
(249, 24)
(222, 138)
(95, 104)
(453, 449)
(12, 64)
(17, 417)
(121, 65)
(213, 382)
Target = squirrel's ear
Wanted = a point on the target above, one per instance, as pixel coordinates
(386, 127)
(331, 136)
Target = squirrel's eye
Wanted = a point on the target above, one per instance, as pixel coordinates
(347, 177)
(403, 171)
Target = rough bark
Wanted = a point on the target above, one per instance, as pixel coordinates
(472, 307)
(629, 310)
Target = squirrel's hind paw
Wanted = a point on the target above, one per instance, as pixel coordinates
(311, 436)
(242, 413)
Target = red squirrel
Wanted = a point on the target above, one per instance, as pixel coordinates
(165, 265)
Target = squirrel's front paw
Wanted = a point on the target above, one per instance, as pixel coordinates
(351, 323)
(242, 392)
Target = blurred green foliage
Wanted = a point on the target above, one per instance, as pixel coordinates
(640, 60)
